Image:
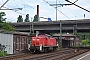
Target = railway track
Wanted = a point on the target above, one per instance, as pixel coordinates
(36, 55)
(21, 56)
(11, 57)
(60, 55)
(49, 55)
(63, 54)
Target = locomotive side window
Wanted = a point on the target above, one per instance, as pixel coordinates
(48, 36)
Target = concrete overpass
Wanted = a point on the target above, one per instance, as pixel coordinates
(83, 25)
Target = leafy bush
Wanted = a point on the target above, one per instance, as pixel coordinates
(84, 42)
(59, 48)
(88, 42)
(3, 53)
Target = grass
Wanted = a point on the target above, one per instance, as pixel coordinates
(59, 48)
(3, 53)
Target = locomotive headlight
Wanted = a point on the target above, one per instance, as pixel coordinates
(40, 47)
(33, 39)
(37, 39)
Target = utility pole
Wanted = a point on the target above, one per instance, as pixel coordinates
(56, 10)
(75, 29)
(31, 27)
(60, 42)
(84, 16)
(57, 5)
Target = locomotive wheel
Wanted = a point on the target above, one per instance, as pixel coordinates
(34, 49)
(45, 50)
(53, 49)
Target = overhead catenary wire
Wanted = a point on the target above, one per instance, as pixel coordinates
(14, 10)
(78, 6)
(68, 8)
(27, 4)
(71, 12)
(18, 7)
(16, 3)
(60, 1)
(24, 4)
(3, 4)
(23, 7)
(30, 6)
(57, 9)
(63, 14)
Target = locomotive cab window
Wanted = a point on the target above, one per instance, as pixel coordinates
(49, 36)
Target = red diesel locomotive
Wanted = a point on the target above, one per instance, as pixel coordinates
(42, 43)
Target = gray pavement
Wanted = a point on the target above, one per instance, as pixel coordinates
(84, 56)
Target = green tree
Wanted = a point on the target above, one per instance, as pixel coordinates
(20, 19)
(1, 17)
(8, 27)
(27, 18)
(35, 18)
(3, 24)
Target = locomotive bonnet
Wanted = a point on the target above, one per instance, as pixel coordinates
(42, 43)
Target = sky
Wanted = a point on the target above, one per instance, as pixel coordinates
(70, 12)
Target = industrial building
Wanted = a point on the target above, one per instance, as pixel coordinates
(68, 40)
(15, 42)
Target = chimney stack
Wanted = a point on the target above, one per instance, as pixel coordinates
(38, 12)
